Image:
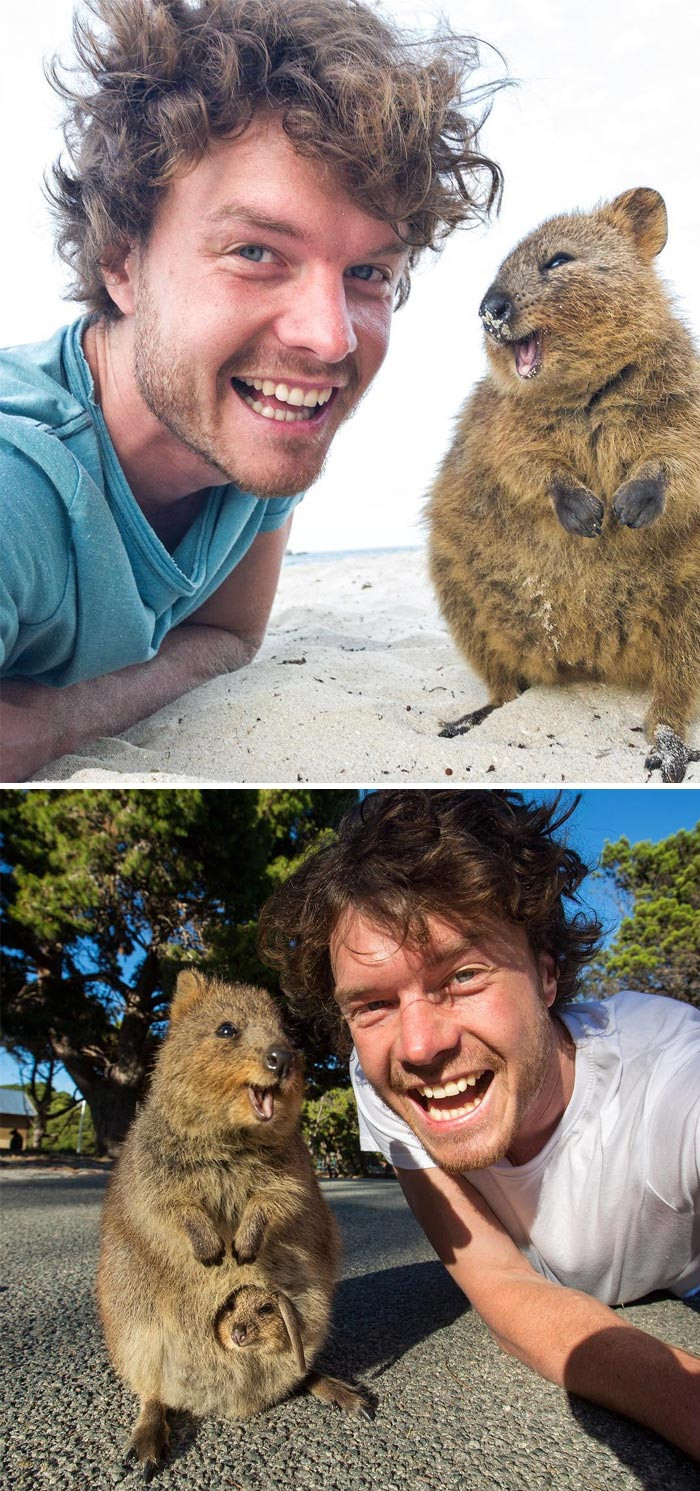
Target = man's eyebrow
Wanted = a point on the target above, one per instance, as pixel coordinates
(435, 956)
(236, 212)
(446, 952)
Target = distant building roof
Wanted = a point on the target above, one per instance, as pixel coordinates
(14, 1104)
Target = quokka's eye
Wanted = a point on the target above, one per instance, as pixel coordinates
(228, 1029)
(557, 260)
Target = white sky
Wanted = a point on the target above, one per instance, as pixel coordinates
(607, 101)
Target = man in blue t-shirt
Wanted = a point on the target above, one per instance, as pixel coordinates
(241, 207)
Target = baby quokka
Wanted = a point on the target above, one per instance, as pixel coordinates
(565, 519)
(215, 1232)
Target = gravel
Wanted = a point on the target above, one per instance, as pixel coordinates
(454, 1413)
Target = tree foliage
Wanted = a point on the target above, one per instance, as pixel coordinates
(657, 947)
(329, 1125)
(106, 894)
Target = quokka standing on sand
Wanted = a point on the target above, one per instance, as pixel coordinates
(214, 1213)
(565, 520)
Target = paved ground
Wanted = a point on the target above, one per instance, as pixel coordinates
(454, 1413)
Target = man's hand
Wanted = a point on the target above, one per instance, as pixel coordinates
(561, 1333)
(40, 723)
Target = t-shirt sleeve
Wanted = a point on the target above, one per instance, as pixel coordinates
(382, 1130)
(673, 1161)
(35, 547)
(277, 510)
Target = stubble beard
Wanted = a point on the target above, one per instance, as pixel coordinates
(467, 1149)
(169, 389)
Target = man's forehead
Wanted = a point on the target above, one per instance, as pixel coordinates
(258, 178)
(430, 940)
(358, 940)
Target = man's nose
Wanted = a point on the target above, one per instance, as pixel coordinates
(317, 319)
(427, 1032)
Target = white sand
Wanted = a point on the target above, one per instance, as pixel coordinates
(354, 678)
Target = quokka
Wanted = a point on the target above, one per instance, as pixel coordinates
(214, 1200)
(565, 519)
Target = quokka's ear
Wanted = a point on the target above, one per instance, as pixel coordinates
(190, 987)
(291, 1321)
(641, 214)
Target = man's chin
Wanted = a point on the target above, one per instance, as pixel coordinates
(283, 479)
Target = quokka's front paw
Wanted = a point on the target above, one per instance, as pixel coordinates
(248, 1239)
(208, 1247)
(638, 502)
(578, 510)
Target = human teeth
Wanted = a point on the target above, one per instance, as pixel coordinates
(288, 416)
(286, 393)
(443, 1115)
(451, 1089)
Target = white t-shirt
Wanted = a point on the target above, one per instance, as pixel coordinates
(611, 1204)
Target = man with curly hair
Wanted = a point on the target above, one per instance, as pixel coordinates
(550, 1149)
(247, 186)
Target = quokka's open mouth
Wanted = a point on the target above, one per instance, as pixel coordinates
(528, 355)
(262, 1101)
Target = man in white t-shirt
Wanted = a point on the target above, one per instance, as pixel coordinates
(549, 1150)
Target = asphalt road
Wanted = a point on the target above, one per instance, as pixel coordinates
(454, 1413)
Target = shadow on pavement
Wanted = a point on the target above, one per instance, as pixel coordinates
(378, 1317)
(634, 1447)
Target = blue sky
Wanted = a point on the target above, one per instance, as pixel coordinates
(604, 813)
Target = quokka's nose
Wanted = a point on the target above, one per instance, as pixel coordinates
(280, 1060)
(239, 1334)
(496, 307)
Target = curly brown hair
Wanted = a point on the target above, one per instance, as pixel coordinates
(399, 857)
(156, 80)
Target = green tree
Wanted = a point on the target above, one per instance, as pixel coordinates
(329, 1125)
(108, 893)
(657, 946)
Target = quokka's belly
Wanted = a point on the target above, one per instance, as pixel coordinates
(547, 611)
(214, 1383)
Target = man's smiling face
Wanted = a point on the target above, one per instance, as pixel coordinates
(454, 1034)
(261, 307)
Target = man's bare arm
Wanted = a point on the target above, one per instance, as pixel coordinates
(561, 1333)
(40, 723)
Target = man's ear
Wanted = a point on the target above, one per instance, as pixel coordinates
(548, 976)
(119, 274)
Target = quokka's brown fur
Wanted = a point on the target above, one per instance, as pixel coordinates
(565, 520)
(214, 1194)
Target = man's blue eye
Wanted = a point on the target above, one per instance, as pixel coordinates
(252, 251)
(362, 271)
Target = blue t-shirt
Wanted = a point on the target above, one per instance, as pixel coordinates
(86, 585)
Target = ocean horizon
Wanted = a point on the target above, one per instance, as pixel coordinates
(310, 556)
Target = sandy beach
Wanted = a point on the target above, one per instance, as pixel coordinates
(352, 682)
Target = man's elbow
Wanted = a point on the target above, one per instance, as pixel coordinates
(236, 651)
